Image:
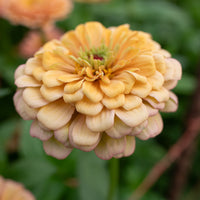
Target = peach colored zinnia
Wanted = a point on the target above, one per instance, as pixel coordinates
(36, 13)
(97, 89)
(10, 190)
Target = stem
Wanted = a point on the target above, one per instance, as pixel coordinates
(114, 177)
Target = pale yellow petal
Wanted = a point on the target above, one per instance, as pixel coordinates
(80, 135)
(55, 114)
(141, 89)
(156, 80)
(76, 96)
(139, 78)
(138, 129)
(92, 91)
(25, 111)
(52, 93)
(94, 31)
(130, 146)
(119, 129)
(154, 103)
(56, 149)
(131, 101)
(62, 134)
(127, 79)
(145, 64)
(160, 63)
(172, 104)
(67, 77)
(160, 95)
(19, 71)
(27, 81)
(170, 84)
(102, 121)
(37, 131)
(133, 117)
(154, 127)
(112, 89)
(115, 102)
(33, 97)
(31, 64)
(173, 69)
(151, 110)
(50, 78)
(73, 86)
(85, 106)
(109, 147)
(38, 73)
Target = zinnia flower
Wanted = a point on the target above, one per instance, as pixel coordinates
(10, 190)
(96, 89)
(35, 13)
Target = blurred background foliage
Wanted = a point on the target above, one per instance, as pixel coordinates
(175, 24)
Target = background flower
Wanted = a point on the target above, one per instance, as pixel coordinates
(10, 190)
(97, 89)
(35, 13)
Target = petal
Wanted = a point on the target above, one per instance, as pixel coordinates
(138, 129)
(154, 103)
(130, 146)
(109, 147)
(19, 71)
(102, 121)
(55, 114)
(154, 127)
(85, 106)
(160, 63)
(112, 103)
(133, 117)
(76, 96)
(33, 97)
(172, 104)
(26, 112)
(112, 89)
(119, 129)
(50, 59)
(145, 64)
(31, 64)
(67, 77)
(38, 73)
(92, 91)
(26, 81)
(37, 131)
(94, 32)
(141, 89)
(173, 69)
(80, 135)
(160, 95)
(156, 80)
(50, 78)
(131, 101)
(127, 79)
(51, 94)
(62, 134)
(73, 86)
(170, 84)
(151, 110)
(139, 78)
(56, 149)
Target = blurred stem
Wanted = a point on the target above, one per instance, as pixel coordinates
(114, 178)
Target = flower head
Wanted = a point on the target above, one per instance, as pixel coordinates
(35, 13)
(10, 190)
(97, 89)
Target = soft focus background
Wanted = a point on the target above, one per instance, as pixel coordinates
(175, 24)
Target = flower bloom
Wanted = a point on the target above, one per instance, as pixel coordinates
(10, 190)
(97, 89)
(35, 13)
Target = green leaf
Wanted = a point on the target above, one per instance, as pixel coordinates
(93, 177)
